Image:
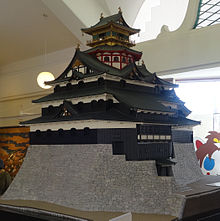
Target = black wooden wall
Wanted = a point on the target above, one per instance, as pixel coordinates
(124, 140)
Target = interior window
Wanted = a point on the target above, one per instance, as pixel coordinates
(106, 58)
(116, 59)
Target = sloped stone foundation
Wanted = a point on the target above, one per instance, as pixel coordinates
(187, 168)
(89, 177)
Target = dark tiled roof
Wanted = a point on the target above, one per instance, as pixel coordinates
(117, 116)
(87, 60)
(139, 72)
(113, 114)
(133, 98)
(114, 19)
(163, 82)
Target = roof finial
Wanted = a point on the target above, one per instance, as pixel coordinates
(78, 46)
(119, 10)
(101, 16)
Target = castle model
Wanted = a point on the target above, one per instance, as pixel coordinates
(105, 96)
(112, 138)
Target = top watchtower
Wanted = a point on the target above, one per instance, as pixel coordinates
(112, 30)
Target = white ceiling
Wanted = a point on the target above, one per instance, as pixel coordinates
(25, 31)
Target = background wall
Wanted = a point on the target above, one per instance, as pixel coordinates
(18, 86)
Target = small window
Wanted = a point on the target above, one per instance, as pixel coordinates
(102, 36)
(69, 74)
(116, 59)
(95, 37)
(114, 33)
(162, 137)
(144, 137)
(106, 59)
(150, 137)
(168, 137)
(156, 137)
(124, 60)
(65, 112)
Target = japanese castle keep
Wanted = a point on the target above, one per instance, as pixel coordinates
(112, 136)
(105, 96)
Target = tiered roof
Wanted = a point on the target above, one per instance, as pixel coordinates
(96, 68)
(116, 20)
(90, 89)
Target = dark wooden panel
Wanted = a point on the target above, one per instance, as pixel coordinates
(182, 136)
(155, 151)
(124, 141)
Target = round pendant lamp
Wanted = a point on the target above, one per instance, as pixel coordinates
(45, 75)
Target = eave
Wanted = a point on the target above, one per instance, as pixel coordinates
(110, 25)
(112, 117)
(133, 99)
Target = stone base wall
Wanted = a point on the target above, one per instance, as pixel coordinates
(187, 168)
(89, 177)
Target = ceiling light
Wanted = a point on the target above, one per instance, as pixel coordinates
(44, 76)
